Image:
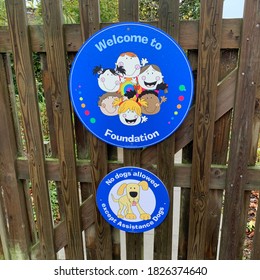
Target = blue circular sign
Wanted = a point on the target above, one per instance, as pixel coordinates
(131, 85)
(132, 199)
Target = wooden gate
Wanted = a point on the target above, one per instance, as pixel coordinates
(48, 186)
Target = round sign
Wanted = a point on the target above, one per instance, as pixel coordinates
(132, 199)
(131, 85)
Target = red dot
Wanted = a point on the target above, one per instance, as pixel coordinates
(181, 98)
(87, 112)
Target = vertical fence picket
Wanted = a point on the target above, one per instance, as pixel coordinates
(209, 50)
(11, 191)
(228, 63)
(248, 77)
(18, 27)
(56, 58)
(128, 11)
(168, 17)
(98, 236)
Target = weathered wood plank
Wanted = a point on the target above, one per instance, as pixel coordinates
(188, 38)
(206, 96)
(248, 73)
(89, 18)
(168, 17)
(56, 58)
(181, 173)
(17, 20)
(128, 10)
(98, 237)
(12, 197)
(61, 238)
(228, 62)
(134, 241)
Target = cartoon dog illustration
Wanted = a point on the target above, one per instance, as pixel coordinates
(130, 199)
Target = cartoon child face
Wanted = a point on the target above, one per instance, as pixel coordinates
(153, 104)
(131, 64)
(129, 113)
(150, 77)
(106, 105)
(109, 81)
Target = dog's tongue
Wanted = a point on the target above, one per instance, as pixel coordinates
(134, 203)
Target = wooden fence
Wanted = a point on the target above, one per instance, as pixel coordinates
(218, 140)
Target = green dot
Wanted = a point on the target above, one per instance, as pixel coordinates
(92, 120)
(182, 88)
(175, 113)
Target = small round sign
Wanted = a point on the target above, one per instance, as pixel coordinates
(131, 85)
(132, 199)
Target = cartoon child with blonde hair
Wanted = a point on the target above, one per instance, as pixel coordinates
(130, 111)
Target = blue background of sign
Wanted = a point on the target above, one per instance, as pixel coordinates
(160, 194)
(174, 66)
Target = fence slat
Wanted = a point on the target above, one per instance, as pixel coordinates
(168, 16)
(89, 18)
(56, 58)
(209, 43)
(12, 196)
(16, 11)
(248, 72)
(98, 236)
(128, 10)
(188, 38)
(228, 62)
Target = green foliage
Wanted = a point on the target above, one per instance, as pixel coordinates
(71, 11)
(3, 16)
(149, 10)
(250, 226)
(189, 9)
(109, 10)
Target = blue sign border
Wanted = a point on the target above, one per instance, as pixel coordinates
(149, 207)
(153, 47)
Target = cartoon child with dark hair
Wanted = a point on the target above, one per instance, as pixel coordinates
(153, 102)
(151, 79)
(106, 103)
(109, 79)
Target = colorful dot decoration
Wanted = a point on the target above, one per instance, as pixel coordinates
(181, 98)
(92, 120)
